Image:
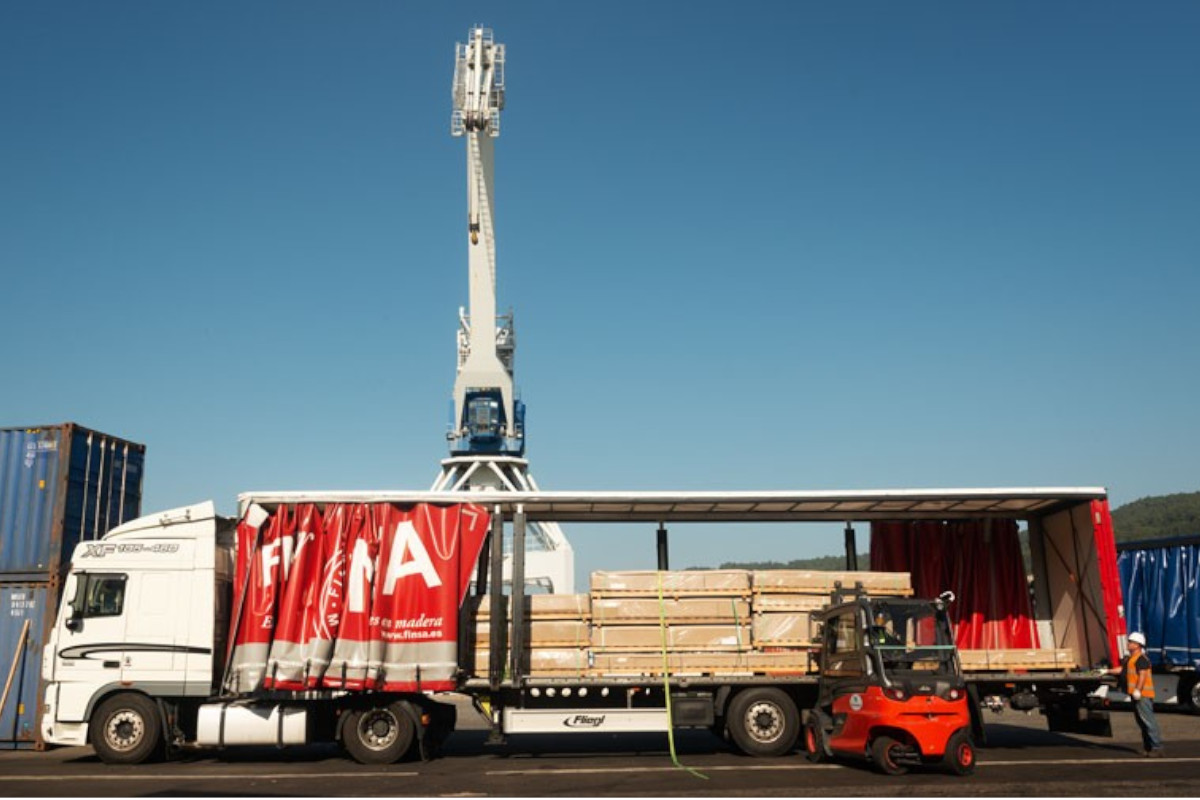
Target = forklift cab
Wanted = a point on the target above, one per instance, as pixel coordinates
(891, 688)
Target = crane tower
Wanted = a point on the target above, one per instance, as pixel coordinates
(487, 431)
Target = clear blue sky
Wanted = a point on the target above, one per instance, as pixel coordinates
(789, 245)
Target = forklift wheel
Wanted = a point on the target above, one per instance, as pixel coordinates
(960, 753)
(814, 740)
(883, 752)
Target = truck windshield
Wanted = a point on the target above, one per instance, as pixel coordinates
(912, 639)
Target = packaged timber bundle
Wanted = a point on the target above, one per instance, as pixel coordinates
(782, 629)
(543, 633)
(1008, 660)
(557, 634)
(652, 583)
(542, 606)
(708, 663)
(796, 581)
(652, 638)
(675, 610)
(545, 662)
(779, 603)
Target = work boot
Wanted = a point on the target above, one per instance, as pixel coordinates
(1156, 753)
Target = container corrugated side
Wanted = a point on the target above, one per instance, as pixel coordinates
(59, 485)
(20, 718)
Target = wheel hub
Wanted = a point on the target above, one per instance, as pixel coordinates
(765, 722)
(379, 729)
(124, 730)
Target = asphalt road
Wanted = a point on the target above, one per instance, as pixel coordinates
(1022, 759)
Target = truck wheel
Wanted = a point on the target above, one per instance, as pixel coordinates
(763, 722)
(883, 752)
(960, 753)
(380, 735)
(1189, 694)
(125, 729)
(816, 743)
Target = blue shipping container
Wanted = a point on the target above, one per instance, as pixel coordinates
(1160, 581)
(60, 485)
(21, 656)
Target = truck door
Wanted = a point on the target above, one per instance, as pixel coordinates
(153, 623)
(91, 640)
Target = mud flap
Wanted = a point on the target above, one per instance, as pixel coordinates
(442, 719)
(1072, 718)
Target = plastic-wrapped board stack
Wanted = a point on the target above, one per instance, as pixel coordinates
(701, 622)
(784, 599)
(557, 637)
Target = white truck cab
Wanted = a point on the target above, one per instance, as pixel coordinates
(142, 618)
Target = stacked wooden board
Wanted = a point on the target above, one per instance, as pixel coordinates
(557, 634)
(699, 622)
(704, 622)
(1017, 660)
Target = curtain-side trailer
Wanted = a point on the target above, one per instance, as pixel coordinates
(1160, 583)
(343, 616)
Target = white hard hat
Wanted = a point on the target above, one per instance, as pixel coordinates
(1138, 638)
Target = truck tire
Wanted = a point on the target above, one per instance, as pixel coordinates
(763, 722)
(126, 729)
(1189, 693)
(883, 754)
(378, 735)
(960, 753)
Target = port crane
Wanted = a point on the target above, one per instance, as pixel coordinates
(487, 429)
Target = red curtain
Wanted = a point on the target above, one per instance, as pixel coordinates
(363, 596)
(980, 561)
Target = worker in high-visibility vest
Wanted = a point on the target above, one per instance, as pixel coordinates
(1138, 682)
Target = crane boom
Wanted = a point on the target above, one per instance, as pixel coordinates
(487, 433)
(487, 417)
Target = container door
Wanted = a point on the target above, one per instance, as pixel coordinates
(91, 639)
(23, 609)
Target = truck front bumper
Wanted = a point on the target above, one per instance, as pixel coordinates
(67, 734)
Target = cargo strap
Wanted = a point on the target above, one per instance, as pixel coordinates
(662, 616)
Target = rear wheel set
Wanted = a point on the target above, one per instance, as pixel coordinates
(763, 722)
(379, 734)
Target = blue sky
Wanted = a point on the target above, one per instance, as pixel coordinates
(786, 245)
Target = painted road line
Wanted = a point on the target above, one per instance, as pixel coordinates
(798, 767)
(183, 776)
(1128, 760)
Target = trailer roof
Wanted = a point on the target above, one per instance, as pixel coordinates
(707, 506)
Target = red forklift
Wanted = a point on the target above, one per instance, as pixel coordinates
(891, 689)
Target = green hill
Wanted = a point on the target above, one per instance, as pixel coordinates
(1148, 518)
(819, 563)
(1158, 517)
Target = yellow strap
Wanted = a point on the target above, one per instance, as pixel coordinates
(662, 616)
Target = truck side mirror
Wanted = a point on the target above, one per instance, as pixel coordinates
(74, 622)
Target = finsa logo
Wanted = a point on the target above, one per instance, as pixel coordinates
(583, 721)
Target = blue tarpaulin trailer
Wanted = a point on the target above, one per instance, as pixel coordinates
(1160, 584)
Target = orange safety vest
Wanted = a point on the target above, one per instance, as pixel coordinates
(1131, 675)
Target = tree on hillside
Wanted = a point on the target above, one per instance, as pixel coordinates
(1158, 517)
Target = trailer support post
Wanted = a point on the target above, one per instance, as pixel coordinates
(663, 558)
(499, 623)
(851, 549)
(518, 595)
